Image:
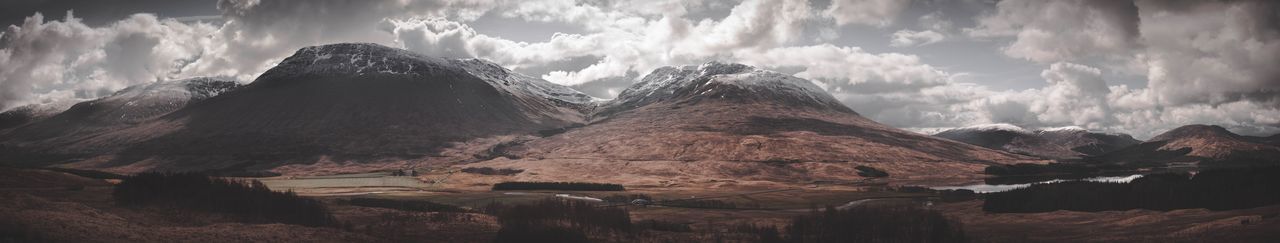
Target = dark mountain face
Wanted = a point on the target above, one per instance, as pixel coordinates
(344, 101)
(27, 114)
(1059, 143)
(57, 137)
(1197, 143)
(125, 107)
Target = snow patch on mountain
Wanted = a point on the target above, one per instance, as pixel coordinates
(515, 82)
(991, 127)
(140, 102)
(715, 80)
(365, 59)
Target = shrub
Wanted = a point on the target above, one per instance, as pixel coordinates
(555, 220)
(491, 171)
(558, 186)
(407, 205)
(1032, 169)
(619, 198)
(704, 203)
(889, 223)
(88, 173)
(868, 171)
(250, 202)
(539, 233)
(661, 225)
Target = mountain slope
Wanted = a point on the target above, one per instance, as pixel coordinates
(1054, 143)
(1203, 143)
(31, 113)
(733, 112)
(129, 106)
(347, 101)
(59, 137)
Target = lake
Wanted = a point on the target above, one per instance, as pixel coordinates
(992, 187)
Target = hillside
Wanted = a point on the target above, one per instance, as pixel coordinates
(1052, 143)
(1197, 143)
(734, 113)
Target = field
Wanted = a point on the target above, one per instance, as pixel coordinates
(754, 204)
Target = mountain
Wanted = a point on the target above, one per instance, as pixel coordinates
(1052, 143)
(26, 114)
(737, 113)
(343, 102)
(1197, 143)
(56, 137)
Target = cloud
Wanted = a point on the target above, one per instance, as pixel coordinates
(1051, 31)
(935, 27)
(879, 13)
(843, 70)
(1205, 61)
(1212, 52)
(65, 58)
(905, 38)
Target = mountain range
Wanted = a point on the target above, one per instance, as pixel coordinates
(370, 104)
(1186, 144)
(1052, 143)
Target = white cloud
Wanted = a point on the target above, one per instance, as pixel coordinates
(65, 58)
(1212, 52)
(1207, 62)
(905, 38)
(879, 13)
(1051, 31)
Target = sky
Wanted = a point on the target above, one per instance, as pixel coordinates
(1138, 67)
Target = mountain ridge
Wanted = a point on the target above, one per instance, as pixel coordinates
(1053, 143)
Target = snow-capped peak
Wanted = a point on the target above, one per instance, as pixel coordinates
(174, 90)
(717, 80)
(519, 83)
(362, 59)
(1065, 129)
(992, 127)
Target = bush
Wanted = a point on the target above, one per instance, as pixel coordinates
(406, 205)
(868, 171)
(661, 225)
(491, 171)
(625, 198)
(539, 233)
(704, 203)
(1032, 169)
(88, 173)
(896, 223)
(555, 220)
(251, 202)
(557, 186)
(1212, 189)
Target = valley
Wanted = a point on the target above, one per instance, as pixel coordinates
(376, 144)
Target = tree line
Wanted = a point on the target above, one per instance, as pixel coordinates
(250, 202)
(1217, 189)
(557, 186)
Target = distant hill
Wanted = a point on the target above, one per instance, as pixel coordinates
(1052, 143)
(1199, 143)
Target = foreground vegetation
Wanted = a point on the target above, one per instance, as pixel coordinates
(558, 186)
(250, 202)
(887, 223)
(1053, 168)
(1220, 189)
